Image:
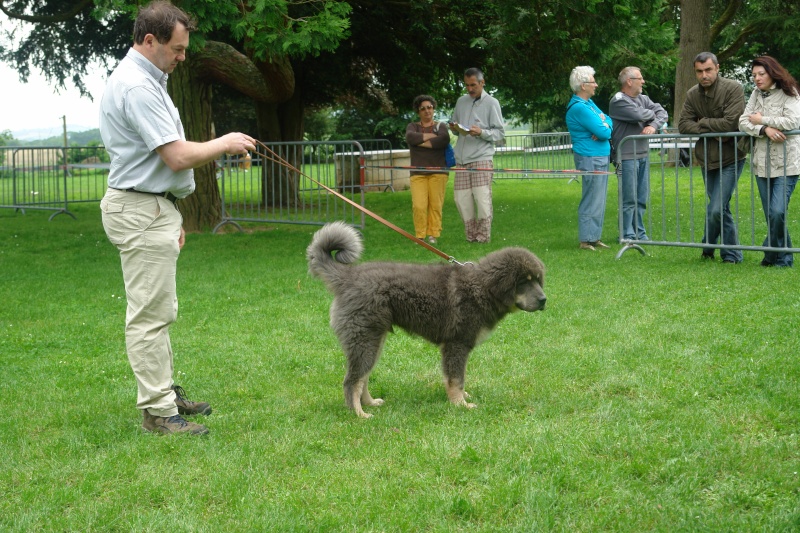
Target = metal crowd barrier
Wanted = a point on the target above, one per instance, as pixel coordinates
(262, 189)
(676, 206)
(50, 178)
(537, 153)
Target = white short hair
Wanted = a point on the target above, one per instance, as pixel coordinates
(579, 76)
(627, 73)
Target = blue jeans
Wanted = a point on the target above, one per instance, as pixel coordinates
(720, 184)
(635, 177)
(594, 187)
(775, 195)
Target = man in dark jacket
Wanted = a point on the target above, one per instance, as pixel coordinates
(715, 105)
(634, 114)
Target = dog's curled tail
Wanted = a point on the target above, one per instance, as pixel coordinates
(335, 243)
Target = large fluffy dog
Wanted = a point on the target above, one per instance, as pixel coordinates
(453, 306)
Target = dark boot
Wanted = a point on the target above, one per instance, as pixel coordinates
(170, 425)
(188, 407)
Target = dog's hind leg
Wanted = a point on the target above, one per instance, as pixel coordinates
(366, 397)
(362, 353)
(454, 367)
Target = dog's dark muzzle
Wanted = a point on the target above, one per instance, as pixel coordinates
(531, 304)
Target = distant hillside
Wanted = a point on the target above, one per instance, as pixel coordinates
(79, 138)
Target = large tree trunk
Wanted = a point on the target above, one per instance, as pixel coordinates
(695, 38)
(281, 123)
(268, 83)
(192, 97)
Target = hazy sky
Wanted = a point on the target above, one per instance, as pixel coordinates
(36, 104)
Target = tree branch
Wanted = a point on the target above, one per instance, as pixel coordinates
(47, 19)
(725, 19)
(271, 82)
(741, 39)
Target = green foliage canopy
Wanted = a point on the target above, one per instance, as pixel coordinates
(64, 39)
(536, 44)
(393, 51)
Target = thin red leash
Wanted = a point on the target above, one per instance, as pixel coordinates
(272, 156)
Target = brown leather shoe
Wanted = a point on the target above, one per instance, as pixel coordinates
(188, 407)
(587, 246)
(600, 244)
(170, 425)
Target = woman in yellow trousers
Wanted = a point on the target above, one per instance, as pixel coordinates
(427, 140)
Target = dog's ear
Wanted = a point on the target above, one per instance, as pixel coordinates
(503, 271)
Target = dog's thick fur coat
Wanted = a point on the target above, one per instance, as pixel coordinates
(453, 306)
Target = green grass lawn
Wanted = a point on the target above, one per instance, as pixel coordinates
(655, 393)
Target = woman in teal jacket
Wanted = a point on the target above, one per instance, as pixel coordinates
(590, 130)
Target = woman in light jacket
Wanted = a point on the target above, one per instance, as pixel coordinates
(773, 109)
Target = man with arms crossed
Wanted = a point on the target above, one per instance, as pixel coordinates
(151, 168)
(480, 114)
(715, 105)
(634, 113)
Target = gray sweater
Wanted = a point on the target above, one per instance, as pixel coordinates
(631, 116)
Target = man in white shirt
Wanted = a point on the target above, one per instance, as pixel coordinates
(151, 168)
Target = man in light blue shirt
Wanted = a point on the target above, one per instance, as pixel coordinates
(151, 168)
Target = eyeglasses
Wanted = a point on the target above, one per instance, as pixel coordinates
(590, 83)
(635, 78)
(425, 107)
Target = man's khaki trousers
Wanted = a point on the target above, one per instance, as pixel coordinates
(146, 228)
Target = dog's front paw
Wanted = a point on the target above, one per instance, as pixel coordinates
(374, 402)
(457, 395)
(462, 402)
(466, 403)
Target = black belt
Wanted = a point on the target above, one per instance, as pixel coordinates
(168, 195)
